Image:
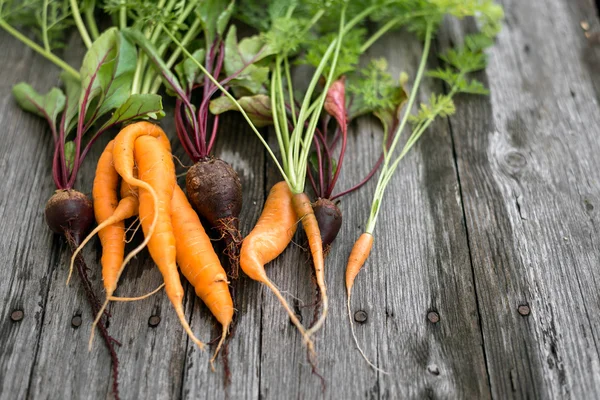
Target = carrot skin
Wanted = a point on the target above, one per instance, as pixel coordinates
(198, 261)
(271, 234)
(358, 256)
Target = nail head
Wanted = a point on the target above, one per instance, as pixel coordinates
(433, 317)
(76, 321)
(154, 320)
(17, 315)
(524, 310)
(361, 316)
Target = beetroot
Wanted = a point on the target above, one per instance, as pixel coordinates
(215, 191)
(72, 211)
(329, 218)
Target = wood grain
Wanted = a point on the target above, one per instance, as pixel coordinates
(494, 209)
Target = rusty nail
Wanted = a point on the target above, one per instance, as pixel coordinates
(361, 316)
(153, 321)
(76, 321)
(433, 369)
(17, 315)
(433, 317)
(524, 310)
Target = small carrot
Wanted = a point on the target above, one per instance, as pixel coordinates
(304, 211)
(156, 169)
(270, 236)
(110, 215)
(200, 264)
(359, 254)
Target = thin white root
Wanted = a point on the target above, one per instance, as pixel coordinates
(145, 296)
(186, 327)
(146, 186)
(292, 315)
(323, 316)
(362, 353)
(98, 316)
(214, 357)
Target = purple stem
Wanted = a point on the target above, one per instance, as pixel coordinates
(340, 160)
(181, 130)
(61, 149)
(312, 181)
(320, 163)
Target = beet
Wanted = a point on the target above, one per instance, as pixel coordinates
(329, 218)
(215, 191)
(70, 211)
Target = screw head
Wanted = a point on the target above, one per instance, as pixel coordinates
(433, 317)
(524, 310)
(76, 321)
(153, 321)
(361, 316)
(17, 315)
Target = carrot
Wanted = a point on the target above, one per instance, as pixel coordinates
(156, 169)
(304, 211)
(359, 254)
(200, 264)
(270, 236)
(110, 215)
(124, 164)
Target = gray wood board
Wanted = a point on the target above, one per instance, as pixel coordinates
(493, 209)
(528, 163)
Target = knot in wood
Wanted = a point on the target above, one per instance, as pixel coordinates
(153, 321)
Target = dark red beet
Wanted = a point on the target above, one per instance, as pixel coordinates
(329, 218)
(72, 211)
(71, 214)
(215, 191)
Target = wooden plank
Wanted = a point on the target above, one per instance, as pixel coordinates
(239, 146)
(529, 170)
(29, 252)
(410, 272)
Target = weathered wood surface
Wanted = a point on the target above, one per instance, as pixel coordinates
(495, 209)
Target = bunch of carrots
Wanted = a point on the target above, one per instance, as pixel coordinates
(191, 50)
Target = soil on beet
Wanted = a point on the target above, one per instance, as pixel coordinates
(215, 191)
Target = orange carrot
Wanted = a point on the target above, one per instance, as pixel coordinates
(110, 214)
(304, 211)
(359, 254)
(270, 236)
(156, 169)
(125, 165)
(199, 263)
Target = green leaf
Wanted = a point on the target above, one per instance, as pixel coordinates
(474, 87)
(187, 70)
(258, 108)
(70, 154)
(120, 85)
(97, 70)
(214, 15)
(348, 58)
(373, 90)
(137, 106)
(48, 105)
(240, 59)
